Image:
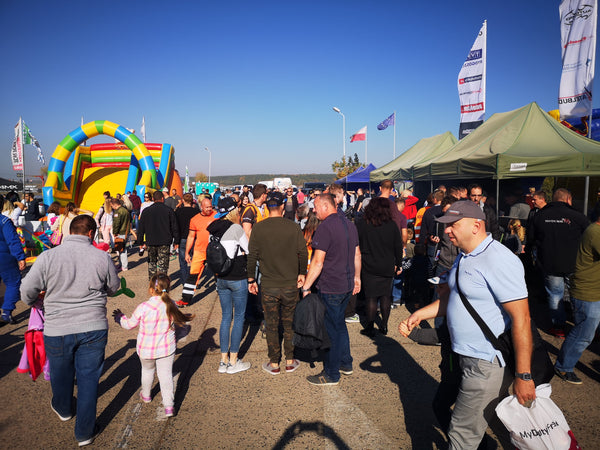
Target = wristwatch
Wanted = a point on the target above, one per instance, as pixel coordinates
(305, 290)
(526, 376)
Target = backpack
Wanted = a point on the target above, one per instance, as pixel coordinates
(216, 257)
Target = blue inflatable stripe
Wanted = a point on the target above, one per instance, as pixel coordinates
(147, 163)
(78, 135)
(68, 171)
(132, 175)
(56, 165)
(122, 133)
(163, 168)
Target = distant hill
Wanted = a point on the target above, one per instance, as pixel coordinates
(298, 179)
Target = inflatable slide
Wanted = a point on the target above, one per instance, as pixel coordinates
(81, 174)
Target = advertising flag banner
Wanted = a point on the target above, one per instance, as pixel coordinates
(578, 41)
(387, 122)
(143, 129)
(360, 135)
(471, 85)
(16, 154)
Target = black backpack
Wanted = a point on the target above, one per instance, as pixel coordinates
(216, 257)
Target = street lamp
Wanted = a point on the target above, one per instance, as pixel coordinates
(209, 162)
(337, 110)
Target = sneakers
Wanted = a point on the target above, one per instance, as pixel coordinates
(182, 304)
(170, 411)
(321, 380)
(346, 370)
(141, 252)
(239, 366)
(293, 366)
(6, 317)
(267, 367)
(557, 332)
(569, 377)
(145, 399)
(61, 417)
(223, 367)
(90, 440)
(353, 319)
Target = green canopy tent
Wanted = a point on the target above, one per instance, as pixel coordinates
(526, 142)
(423, 151)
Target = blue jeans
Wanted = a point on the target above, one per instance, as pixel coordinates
(555, 288)
(397, 287)
(233, 295)
(80, 356)
(11, 276)
(184, 269)
(339, 352)
(586, 317)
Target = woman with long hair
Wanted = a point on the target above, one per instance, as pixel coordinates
(104, 219)
(232, 286)
(381, 250)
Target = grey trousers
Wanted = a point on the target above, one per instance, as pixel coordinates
(483, 385)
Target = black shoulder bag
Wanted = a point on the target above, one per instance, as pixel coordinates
(542, 369)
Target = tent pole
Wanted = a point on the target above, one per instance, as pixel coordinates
(586, 194)
(497, 195)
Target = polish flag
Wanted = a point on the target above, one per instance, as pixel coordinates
(360, 135)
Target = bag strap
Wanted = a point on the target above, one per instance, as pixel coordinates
(476, 317)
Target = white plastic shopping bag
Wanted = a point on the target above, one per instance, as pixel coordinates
(543, 426)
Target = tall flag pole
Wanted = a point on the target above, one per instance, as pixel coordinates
(471, 85)
(391, 120)
(578, 21)
(143, 129)
(84, 142)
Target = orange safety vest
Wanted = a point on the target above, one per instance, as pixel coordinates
(418, 220)
(258, 216)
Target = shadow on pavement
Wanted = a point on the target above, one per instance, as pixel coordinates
(416, 388)
(299, 427)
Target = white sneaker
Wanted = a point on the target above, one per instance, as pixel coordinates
(353, 319)
(223, 367)
(239, 366)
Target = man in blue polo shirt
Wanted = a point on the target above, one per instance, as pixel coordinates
(492, 280)
(336, 263)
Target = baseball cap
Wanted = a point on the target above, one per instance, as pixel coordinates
(460, 210)
(275, 199)
(225, 206)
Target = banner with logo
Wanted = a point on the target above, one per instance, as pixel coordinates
(471, 85)
(16, 153)
(578, 41)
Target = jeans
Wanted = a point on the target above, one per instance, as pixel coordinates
(586, 318)
(11, 276)
(184, 269)
(555, 288)
(339, 352)
(233, 295)
(80, 356)
(279, 305)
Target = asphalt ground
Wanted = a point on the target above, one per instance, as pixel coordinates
(384, 404)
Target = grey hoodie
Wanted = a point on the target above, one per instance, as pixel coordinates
(77, 278)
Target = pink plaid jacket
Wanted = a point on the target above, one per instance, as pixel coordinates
(156, 337)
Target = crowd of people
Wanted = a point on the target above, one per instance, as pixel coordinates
(363, 254)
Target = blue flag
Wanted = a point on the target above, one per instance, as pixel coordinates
(387, 122)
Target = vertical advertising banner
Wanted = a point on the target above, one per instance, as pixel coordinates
(471, 85)
(578, 44)
(16, 153)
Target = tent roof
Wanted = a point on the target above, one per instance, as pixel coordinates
(526, 142)
(360, 175)
(423, 151)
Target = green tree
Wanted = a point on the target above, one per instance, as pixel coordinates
(346, 166)
(200, 177)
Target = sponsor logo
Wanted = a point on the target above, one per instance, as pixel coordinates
(578, 41)
(575, 98)
(474, 54)
(470, 79)
(514, 167)
(472, 63)
(535, 432)
(471, 108)
(582, 13)
(563, 220)
(471, 92)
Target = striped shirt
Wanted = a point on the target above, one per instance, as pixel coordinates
(156, 337)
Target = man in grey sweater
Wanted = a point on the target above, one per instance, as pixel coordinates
(76, 278)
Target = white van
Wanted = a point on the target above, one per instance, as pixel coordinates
(282, 183)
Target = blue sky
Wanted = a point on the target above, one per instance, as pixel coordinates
(255, 82)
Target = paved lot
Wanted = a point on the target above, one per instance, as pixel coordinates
(384, 404)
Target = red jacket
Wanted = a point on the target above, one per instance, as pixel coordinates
(410, 207)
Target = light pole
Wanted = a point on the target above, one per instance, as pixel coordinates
(209, 162)
(337, 110)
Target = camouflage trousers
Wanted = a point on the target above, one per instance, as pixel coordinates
(279, 305)
(158, 259)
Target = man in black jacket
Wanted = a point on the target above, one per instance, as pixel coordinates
(556, 231)
(159, 227)
(491, 220)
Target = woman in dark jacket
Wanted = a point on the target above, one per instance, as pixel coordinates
(381, 251)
